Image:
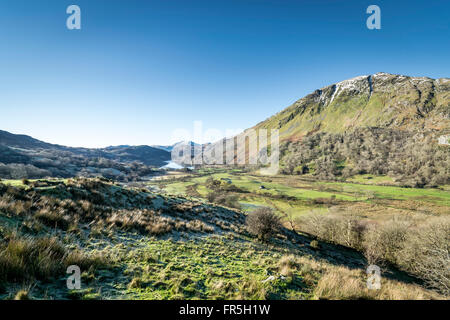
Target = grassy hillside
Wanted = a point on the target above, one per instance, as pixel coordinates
(133, 243)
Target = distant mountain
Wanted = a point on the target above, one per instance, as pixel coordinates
(22, 141)
(171, 147)
(148, 155)
(22, 156)
(165, 148)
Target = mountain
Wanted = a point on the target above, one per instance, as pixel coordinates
(21, 141)
(165, 148)
(171, 147)
(147, 155)
(381, 124)
(22, 156)
(380, 100)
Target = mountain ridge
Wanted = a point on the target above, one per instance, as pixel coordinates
(398, 98)
(22, 156)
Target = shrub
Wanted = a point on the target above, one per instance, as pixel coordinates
(382, 243)
(229, 200)
(425, 253)
(345, 230)
(263, 223)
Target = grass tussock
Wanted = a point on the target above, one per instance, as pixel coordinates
(22, 295)
(53, 218)
(26, 258)
(9, 204)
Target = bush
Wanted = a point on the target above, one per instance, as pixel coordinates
(422, 250)
(426, 254)
(263, 223)
(345, 230)
(228, 200)
(382, 243)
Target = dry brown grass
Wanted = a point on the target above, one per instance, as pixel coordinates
(287, 265)
(54, 218)
(10, 205)
(199, 226)
(162, 226)
(252, 289)
(26, 258)
(341, 283)
(23, 258)
(103, 207)
(22, 295)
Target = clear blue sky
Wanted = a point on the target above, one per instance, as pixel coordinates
(137, 70)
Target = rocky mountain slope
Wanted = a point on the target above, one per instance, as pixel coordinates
(380, 100)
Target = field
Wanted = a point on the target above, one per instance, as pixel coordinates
(297, 196)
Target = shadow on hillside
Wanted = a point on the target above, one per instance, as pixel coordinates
(339, 255)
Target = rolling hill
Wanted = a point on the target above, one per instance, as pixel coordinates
(22, 156)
